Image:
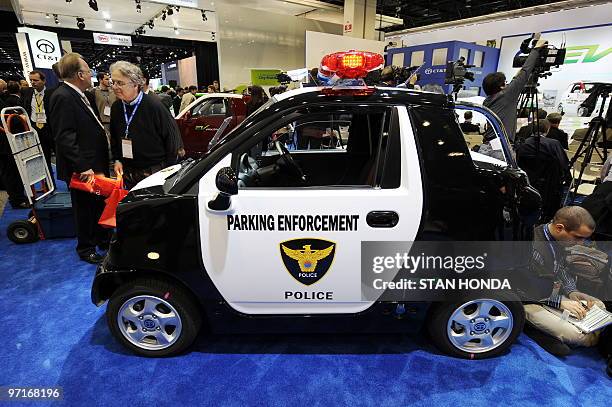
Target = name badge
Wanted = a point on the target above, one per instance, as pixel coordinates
(106, 111)
(126, 148)
(40, 117)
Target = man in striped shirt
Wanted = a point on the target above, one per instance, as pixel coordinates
(571, 225)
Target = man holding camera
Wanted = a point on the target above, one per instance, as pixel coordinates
(503, 97)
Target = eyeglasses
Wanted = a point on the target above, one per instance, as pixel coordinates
(119, 84)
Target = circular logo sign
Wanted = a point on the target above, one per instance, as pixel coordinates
(149, 323)
(45, 46)
(103, 38)
(428, 71)
(481, 326)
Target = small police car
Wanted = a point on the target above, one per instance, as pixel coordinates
(263, 234)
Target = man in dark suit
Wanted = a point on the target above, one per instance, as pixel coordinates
(35, 101)
(13, 97)
(555, 132)
(467, 126)
(82, 148)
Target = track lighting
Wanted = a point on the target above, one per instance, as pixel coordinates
(93, 4)
(204, 18)
(164, 15)
(56, 19)
(176, 31)
(170, 11)
(80, 23)
(138, 7)
(47, 15)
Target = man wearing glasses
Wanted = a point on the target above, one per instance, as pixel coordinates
(81, 148)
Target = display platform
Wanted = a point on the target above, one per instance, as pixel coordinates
(54, 336)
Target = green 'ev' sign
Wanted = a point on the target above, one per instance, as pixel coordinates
(585, 54)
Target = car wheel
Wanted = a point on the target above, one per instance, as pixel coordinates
(476, 328)
(22, 231)
(153, 317)
(583, 112)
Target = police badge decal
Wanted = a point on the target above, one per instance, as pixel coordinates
(307, 260)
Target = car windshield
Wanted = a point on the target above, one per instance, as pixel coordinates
(245, 123)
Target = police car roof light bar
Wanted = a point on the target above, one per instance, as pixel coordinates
(351, 64)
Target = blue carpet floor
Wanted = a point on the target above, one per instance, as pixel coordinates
(54, 336)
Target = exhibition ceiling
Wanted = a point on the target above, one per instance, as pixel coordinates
(418, 13)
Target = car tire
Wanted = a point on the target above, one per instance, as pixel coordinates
(163, 319)
(448, 335)
(22, 231)
(583, 112)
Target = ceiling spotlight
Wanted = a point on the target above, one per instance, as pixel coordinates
(56, 19)
(138, 7)
(177, 8)
(47, 15)
(108, 24)
(93, 4)
(151, 24)
(176, 31)
(170, 11)
(81, 23)
(68, 1)
(164, 15)
(204, 18)
(212, 35)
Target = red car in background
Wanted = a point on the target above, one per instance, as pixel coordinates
(203, 118)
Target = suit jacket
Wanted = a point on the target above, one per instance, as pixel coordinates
(557, 134)
(80, 142)
(12, 100)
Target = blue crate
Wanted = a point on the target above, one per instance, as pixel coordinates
(54, 212)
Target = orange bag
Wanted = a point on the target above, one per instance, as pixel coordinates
(99, 185)
(109, 214)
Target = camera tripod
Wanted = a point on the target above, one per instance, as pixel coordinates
(528, 99)
(598, 125)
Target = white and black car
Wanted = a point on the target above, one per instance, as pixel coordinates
(231, 241)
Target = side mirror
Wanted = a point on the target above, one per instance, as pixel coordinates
(227, 184)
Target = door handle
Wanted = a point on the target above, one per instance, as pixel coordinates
(382, 219)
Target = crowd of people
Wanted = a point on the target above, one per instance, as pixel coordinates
(120, 126)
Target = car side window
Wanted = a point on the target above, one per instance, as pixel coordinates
(323, 149)
(215, 106)
(479, 136)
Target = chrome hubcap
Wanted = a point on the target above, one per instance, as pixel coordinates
(149, 322)
(480, 325)
(20, 233)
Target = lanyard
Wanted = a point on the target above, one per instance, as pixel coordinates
(550, 238)
(128, 120)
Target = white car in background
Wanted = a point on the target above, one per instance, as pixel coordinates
(575, 95)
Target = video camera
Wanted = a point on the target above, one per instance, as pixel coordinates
(283, 78)
(550, 56)
(398, 74)
(456, 73)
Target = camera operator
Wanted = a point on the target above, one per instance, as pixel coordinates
(502, 98)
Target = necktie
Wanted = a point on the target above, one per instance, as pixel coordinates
(86, 101)
(39, 107)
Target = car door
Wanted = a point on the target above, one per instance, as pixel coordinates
(202, 124)
(262, 252)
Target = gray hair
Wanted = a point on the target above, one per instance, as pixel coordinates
(130, 70)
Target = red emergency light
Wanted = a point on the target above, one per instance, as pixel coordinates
(351, 64)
